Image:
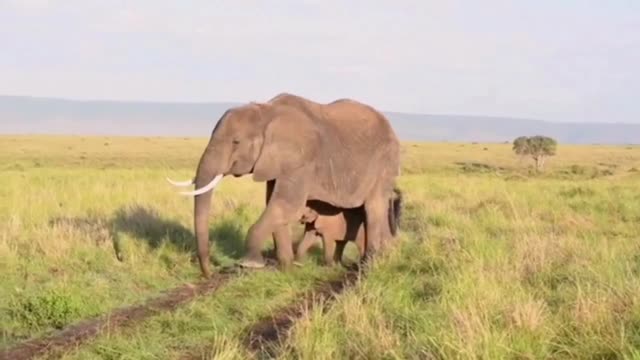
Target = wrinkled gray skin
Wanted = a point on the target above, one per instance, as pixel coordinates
(344, 153)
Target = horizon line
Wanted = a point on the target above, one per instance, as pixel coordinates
(190, 102)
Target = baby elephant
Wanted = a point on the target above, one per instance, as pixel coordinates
(338, 226)
(335, 229)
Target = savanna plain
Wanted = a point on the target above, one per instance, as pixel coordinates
(493, 260)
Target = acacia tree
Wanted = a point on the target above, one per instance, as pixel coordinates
(538, 147)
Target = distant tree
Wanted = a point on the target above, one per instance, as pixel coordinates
(538, 147)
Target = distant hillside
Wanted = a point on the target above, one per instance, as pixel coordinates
(31, 115)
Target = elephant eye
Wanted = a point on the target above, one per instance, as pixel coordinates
(235, 141)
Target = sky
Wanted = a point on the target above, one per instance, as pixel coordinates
(570, 60)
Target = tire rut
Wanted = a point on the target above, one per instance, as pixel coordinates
(76, 334)
(266, 333)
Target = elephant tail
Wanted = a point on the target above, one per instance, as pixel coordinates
(395, 211)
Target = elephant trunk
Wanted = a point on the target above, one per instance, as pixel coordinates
(206, 178)
(202, 206)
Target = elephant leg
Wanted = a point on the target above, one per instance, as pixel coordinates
(375, 209)
(281, 235)
(337, 254)
(361, 244)
(329, 245)
(286, 202)
(310, 238)
(270, 186)
(283, 245)
(270, 222)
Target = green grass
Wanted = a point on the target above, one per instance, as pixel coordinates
(495, 261)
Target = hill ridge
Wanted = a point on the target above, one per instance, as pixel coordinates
(63, 116)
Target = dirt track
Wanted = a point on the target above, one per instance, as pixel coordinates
(76, 334)
(269, 332)
(262, 336)
(266, 334)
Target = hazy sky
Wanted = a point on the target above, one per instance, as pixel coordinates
(570, 60)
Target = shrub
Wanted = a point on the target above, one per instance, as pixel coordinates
(51, 309)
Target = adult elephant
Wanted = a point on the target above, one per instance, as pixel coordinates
(344, 153)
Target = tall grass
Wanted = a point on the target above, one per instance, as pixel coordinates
(495, 261)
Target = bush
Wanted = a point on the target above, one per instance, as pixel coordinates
(51, 309)
(584, 172)
(476, 167)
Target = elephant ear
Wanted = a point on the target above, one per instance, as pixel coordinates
(291, 141)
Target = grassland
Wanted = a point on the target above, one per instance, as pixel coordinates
(494, 260)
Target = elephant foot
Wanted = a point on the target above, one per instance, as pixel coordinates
(228, 270)
(252, 263)
(329, 263)
(299, 259)
(205, 275)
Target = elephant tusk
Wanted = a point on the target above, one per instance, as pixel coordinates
(180, 183)
(208, 187)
